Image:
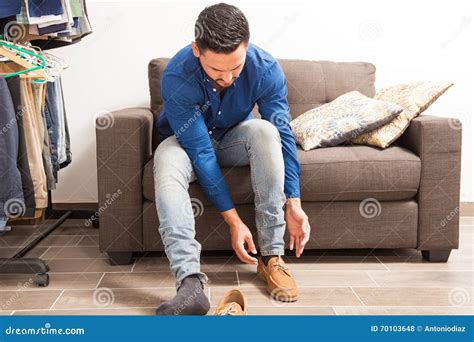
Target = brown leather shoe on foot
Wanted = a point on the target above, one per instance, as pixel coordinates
(280, 283)
(233, 303)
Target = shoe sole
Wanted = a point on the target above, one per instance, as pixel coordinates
(288, 299)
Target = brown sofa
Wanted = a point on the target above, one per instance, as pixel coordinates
(405, 196)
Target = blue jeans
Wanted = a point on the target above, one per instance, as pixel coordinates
(252, 142)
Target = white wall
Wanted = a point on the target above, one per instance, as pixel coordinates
(406, 40)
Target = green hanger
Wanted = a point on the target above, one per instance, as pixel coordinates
(36, 66)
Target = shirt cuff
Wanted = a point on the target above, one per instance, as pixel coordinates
(222, 201)
(293, 194)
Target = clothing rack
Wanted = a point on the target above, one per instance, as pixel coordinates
(20, 264)
(46, 27)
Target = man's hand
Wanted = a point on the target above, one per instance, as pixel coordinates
(297, 224)
(240, 234)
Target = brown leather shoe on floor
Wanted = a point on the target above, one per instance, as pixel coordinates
(280, 283)
(233, 303)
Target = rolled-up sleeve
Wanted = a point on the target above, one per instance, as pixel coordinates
(182, 105)
(273, 106)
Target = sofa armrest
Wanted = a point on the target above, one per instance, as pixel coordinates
(437, 141)
(123, 148)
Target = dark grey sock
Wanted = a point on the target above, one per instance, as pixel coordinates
(266, 258)
(189, 300)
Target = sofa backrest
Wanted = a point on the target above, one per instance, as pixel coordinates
(310, 83)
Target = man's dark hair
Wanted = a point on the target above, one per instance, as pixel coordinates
(221, 28)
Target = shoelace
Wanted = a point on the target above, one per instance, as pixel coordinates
(281, 266)
(230, 310)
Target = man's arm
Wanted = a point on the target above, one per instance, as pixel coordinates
(181, 105)
(273, 106)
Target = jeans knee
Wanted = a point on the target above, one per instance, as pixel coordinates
(264, 133)
(171, 164)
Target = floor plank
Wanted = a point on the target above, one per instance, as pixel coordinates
(413, 296)
(113, 298)
(321, 296)
(18, 300)
(21, 282)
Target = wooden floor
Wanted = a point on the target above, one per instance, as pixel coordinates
(332, 282)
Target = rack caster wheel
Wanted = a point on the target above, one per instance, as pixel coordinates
(42, 280)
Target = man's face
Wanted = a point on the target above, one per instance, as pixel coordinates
(222, 68)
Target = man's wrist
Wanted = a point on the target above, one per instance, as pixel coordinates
(231, 216)
(293, 202)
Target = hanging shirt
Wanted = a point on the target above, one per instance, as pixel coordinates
(39, 8)
(9, 8)
(194, 112)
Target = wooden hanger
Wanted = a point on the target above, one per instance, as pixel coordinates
(36, 72)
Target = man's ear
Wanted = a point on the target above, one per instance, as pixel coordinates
(195, 49)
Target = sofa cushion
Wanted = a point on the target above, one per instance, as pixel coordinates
(343, 173)
(340, 120)
(415, 98)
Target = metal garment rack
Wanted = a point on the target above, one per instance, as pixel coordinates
(23, 265)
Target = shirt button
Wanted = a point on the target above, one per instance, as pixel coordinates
(214, 127)
(210, 132)
(214, 89)
(219, 113)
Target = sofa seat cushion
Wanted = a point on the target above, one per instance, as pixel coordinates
(342, 173)
(349, 173)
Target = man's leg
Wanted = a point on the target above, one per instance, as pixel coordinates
(257, 142)
(173, 171)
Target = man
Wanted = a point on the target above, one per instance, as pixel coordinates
(209, 89)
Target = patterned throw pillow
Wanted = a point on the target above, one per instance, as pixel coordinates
(414, 98)
(341, 120)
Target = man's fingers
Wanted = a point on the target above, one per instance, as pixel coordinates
(244, 256)
(298, 246)
(251, 245)
(292, 242)
(305, 239)
(302, 240)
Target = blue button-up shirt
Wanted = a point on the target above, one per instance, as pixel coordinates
(194, 111)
